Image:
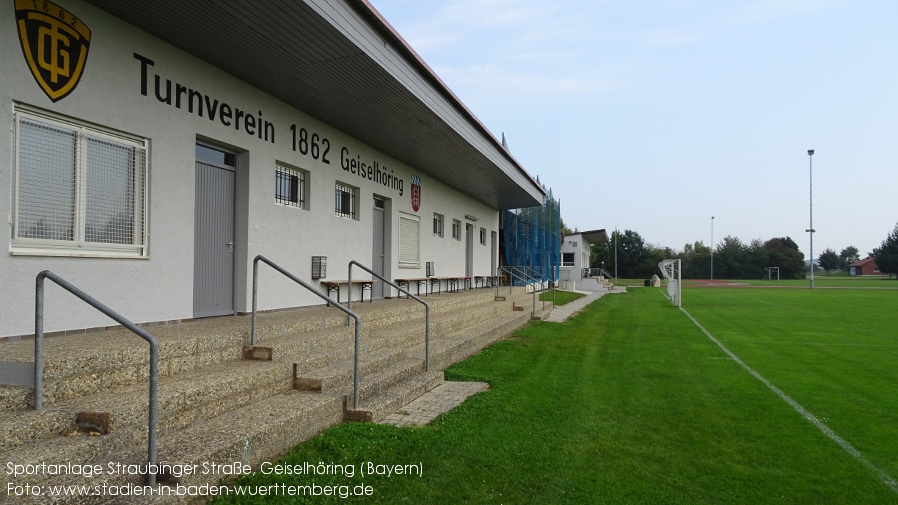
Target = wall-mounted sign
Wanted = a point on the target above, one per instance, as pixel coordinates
(55, 44)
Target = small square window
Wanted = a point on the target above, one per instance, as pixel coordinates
(290, 186)
(438, 225)
(345, 197)
(456, 229)
(567, 259)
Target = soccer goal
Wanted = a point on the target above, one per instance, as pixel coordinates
(672, 272)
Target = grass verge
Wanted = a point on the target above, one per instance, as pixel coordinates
(561, 297)
(627, 403)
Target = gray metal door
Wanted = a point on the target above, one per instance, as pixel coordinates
(377, 254)
(469, 250)
(494, 252)
(213, 260)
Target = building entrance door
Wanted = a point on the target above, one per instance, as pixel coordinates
(377, 253)
(469, 250)
(213, 243)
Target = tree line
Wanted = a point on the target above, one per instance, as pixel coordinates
(733, 258)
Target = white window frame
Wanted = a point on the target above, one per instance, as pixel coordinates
(456, 229)
(565, 262)
(78, 246)
(409, 241)
(438, 221)
(302, 189)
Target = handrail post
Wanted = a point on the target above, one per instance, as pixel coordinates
(285, 273)
(416, 298)
(349, 291)
(533, 310)
(39, 343)
(252, 338)
(154, 355)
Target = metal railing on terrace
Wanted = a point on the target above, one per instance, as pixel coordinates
(39, 355)
(391, 283)
(335, 303)
(528, 278)
(596, 272)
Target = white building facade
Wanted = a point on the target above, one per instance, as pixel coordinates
(576, 249)
(155, 148)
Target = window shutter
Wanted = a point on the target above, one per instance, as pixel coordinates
(409, 240)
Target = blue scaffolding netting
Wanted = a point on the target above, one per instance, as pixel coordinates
(532, 237)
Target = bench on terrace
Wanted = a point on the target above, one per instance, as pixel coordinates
(366, 285)
(418, 282)
(452, 283)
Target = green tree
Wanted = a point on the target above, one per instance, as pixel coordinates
(783, 252)
(829, 260)
(633, 258)
(696, 261)
(730, 259)
(848, 256)
(886, 255)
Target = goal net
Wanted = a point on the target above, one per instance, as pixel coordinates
(672, 272)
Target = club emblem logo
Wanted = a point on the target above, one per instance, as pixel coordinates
(55, 45)
(416, 193)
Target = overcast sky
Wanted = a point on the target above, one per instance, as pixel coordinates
(656, 115)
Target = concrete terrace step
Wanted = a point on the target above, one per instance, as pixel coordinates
(396, 397)
(200, 394)
(82, 364)
(199, 400)
(250, 435)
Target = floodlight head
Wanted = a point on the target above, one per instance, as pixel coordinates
(810, 152)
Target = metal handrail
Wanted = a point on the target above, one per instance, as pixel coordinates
(545, 282)
(39, 355)
(513, 272)
(335, 303)
(588, 272)
(426, 307)
(550, 284)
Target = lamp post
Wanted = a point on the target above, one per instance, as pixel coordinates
(811, 198)
(615, 254)
(712, 248)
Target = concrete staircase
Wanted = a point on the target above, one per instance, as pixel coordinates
(215, 407)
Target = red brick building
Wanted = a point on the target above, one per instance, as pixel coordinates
(866, 266)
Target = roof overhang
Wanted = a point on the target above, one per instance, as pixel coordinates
(593, 236)
(342, 63)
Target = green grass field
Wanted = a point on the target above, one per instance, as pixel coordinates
(630, 402)
(560, 297)
(820, 281)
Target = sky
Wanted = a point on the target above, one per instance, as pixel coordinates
(656, 115)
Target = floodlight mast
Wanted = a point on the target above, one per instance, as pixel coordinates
(811, 198)
(712, 248)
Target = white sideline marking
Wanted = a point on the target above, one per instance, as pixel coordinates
(847, 447)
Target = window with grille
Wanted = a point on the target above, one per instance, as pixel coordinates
(456, 229)
(409, 241)
(438, 224)
(79, 190)
(345, 201)
(290, 186)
